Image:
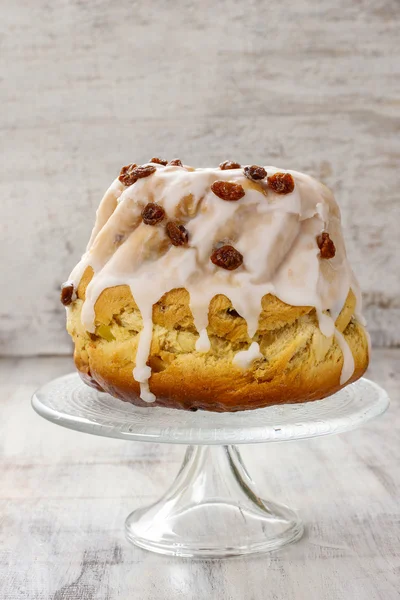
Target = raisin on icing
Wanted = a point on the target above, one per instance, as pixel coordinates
(229, 164)
(152, 213)
(227, 257)
(326, 246)
(126, 176)
(255, 173)
(176, 162)
(145, 171)
(130, 174)
(228, 190)
(67, 293)
(178, 234)
(281, 183)
(159, 161)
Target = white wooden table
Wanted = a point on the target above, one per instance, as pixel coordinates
(64, 497)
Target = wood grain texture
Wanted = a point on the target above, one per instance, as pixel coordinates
(64, 497)
(90, 86)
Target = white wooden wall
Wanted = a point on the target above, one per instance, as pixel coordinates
(88, 86)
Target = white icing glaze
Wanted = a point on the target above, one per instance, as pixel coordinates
(348, 360)
(106, 208)
(276, 234)
(203, 343)
(245, 358)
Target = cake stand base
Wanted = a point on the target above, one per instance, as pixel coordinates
(213, 510)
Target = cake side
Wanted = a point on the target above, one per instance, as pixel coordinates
(298, 362)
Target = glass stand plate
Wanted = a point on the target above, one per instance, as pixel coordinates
(69, 402)
(212, 509)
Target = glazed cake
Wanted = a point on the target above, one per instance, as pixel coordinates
(216, 288)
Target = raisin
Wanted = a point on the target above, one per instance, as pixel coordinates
(227, 257)
(178, 234)
(125, 175)
(176, 163)
(152, 213)
(326, 245)
(227, 190)
(229, 164)
(130, 174)
(255, 173)
(281, 183)
(67, 293)
(159, 161)
(144, 171)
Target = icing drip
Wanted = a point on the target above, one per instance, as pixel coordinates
(203, 343)
(326, 323)
(348, 360)
(276, 234)
(245, 358)
(142, 371)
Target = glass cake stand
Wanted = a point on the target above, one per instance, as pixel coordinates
(212, 509)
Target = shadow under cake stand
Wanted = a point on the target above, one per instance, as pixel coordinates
(212, 509)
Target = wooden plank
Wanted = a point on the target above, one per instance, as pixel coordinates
(64, 497)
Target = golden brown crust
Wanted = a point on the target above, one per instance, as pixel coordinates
(299, 364)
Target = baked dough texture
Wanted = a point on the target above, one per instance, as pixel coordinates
(299, 363)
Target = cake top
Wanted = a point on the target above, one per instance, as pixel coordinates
(239, 231)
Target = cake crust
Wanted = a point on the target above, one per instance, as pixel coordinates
(298, 364)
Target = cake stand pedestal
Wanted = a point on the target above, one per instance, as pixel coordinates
(212, 509)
